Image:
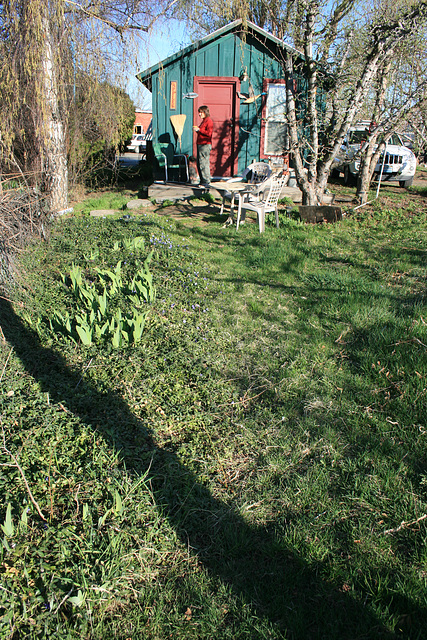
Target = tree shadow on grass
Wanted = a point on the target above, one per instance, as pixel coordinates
(266, 574)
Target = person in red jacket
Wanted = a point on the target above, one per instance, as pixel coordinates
(204, 145)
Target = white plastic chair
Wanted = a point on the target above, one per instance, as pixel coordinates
(264, 201)
(259, 171)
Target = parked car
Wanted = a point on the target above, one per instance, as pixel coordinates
(137, 143)
(399, 164)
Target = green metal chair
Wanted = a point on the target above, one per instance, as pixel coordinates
(167, 159)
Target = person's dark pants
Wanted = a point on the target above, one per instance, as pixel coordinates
(203, 163)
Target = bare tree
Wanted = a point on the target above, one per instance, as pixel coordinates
(382, 38)
(400, 94)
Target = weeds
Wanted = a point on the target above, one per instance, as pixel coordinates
(252, 468)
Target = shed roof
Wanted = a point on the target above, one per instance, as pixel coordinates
(237, 26)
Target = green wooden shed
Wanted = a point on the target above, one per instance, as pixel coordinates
(236, 71)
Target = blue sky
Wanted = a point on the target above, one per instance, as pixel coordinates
(161, 43)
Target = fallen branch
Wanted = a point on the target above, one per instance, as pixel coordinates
(21, 304)
(83, 372)
(18, 466)
(404, 525)
(64, 599)
(396, 344)
(7, 360)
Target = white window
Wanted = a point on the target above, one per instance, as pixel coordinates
(276, 131)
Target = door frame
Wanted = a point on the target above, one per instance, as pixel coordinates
(233, 80)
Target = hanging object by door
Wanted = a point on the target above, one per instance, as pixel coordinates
(178, 121)
(250, 97)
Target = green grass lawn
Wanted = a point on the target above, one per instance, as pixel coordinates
(254, 467)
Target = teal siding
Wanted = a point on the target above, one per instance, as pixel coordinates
(226, 56)
(249, 132)
(225, 59)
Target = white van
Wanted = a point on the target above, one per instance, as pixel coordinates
(399, 163)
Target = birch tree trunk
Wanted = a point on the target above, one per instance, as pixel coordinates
(54, 155)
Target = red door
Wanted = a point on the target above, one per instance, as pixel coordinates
(219, 94)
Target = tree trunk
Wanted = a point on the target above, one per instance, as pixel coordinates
(370, 157)
(364, 177)
(54, 160)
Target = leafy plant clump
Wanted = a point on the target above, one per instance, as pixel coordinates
(105, 306)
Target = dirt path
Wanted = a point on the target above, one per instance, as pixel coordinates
(198, 214)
